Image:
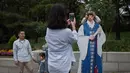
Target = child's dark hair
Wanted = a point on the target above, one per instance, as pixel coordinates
(91, 13)
(42, 54)
(20, 31)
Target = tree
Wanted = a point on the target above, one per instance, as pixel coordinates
(13, 13)
(35, 30)
(117, 24)
(106, 10)
(23, 14)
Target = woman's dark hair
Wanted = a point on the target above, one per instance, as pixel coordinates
(57, 17)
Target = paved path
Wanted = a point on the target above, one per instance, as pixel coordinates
(16, 70)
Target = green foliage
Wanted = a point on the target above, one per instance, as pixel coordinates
(40, 12)
(17, 6)
(120, 45)
(75, 47)
(10, 18)
(13, 13)
(35, 30)
(82, 12)
(117, 45)
(39, 44)
(30, 15)
(106, 10)
(11, 41)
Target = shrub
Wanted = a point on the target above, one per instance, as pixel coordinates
(117, 45)
(11, 41)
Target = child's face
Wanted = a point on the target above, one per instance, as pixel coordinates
(90, 17)
(41, 58)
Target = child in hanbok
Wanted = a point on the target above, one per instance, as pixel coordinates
(90, 40)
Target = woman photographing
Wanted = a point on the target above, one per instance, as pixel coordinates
(59, 39)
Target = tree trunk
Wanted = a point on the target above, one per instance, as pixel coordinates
(117, 21)
(36, 39)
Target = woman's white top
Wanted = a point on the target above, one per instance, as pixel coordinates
(60, 52)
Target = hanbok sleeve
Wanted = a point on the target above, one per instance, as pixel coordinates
(83, 46)
(101, 38)
(97, 19)
(82, 42)
(100, 33)
(99, 30)
(83, 20)
(80, 31)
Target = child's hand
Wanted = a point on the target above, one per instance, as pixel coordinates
(16, 62)
(91, 37)
(34, 60)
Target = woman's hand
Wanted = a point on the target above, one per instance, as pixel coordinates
(68, 22)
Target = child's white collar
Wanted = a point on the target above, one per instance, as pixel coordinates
(43, 61)
(91, 24)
